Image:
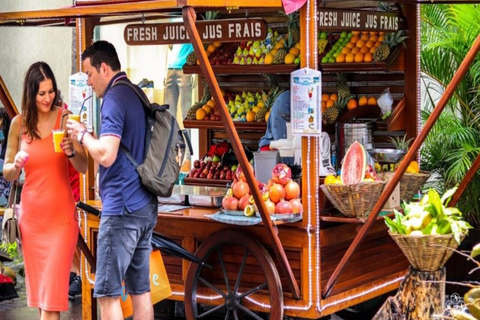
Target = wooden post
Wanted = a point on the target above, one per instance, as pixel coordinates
(420, 296)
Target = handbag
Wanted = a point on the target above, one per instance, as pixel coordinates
(160, 288)
(10, 228)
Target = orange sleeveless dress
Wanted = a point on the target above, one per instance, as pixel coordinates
(48, 224)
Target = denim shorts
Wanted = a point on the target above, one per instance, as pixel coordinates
(123, 252)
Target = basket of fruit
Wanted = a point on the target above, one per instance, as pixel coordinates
(428, 231)
(411, 182)
(358, 189)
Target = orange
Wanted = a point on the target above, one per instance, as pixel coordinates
(381, 38)
(373, 38)
(377, 44)
(273, 52)
(368, 57)
(250, 116)
(381, 33)
(211, 48)
(360, 43)
(355, 50)
(364, 50)
(372, 50)
(345, 50)
(334, 97)
(298, 45)
(352, 104)
(364, 37)
(267, 115)
(294, 51)
(324, 106)
(350, 45)
(350, 57)
(325, 97)
(278, 45)
(369, 44)
(340, 58)
(200, 114)
(359, 57)
(362, 101)
(354, 39)
(207, 108)
(217, 44)
(372, 101)
(330, 103)
(373, 33)
(289, 58)
(211, 103)
(355, 33)
(268, 58)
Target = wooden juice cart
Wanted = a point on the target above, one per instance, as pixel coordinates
(306, 269)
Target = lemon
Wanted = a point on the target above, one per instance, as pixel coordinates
(330, 179)
(249, 211)
(472, 300)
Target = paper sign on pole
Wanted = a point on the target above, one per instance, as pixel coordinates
(305, 102)
(81, 99)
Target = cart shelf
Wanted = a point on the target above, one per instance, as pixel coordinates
(244, 69)
(344, 219)
(208, 124)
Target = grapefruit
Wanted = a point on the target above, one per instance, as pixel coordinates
(354, 163)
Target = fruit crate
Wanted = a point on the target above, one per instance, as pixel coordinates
(207, 182)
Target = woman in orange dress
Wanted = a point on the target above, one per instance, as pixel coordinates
(48, 221)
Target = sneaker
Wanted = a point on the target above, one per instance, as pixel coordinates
(75, 287)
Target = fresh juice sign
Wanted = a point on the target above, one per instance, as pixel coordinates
(330, 19)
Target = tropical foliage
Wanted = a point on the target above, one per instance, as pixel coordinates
(448, 32)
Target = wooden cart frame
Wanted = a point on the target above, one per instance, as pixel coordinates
(306, 269)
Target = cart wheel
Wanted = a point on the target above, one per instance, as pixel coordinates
(242, 275)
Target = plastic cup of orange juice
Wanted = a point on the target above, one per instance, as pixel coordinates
(75, 117)
(58, 135)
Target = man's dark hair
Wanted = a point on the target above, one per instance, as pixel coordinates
(102, 52)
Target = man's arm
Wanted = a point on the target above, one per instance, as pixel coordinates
(103, 150)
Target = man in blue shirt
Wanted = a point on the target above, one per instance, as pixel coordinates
(129, 211)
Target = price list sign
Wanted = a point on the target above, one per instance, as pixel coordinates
(305, 102)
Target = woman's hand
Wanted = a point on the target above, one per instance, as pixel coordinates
(20, 159)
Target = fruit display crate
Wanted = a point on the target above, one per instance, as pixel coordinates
(206, 182)
(244, 69)
(239, 125)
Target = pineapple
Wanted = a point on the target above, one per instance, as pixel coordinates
(191, 114)
(293, 26)
(343, 90)
(401, 143)
(192, 59)
(279, 57)
(207, 94)
(271, 97)
(391, 40)
(331, 114)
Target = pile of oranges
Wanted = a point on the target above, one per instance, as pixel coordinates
(329, 101)
(356, 47)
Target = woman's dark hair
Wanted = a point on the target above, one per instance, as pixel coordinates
(38, 72)
(5, 128)
(102, 52)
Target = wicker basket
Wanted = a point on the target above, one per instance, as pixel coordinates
(428, 252)
(410, 183)
(354, 200)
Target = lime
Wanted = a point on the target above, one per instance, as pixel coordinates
(323, 35)
(343, 34)
(331, 60)
(249, 211)
(325, 59)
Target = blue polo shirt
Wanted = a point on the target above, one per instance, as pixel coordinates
(123, 116)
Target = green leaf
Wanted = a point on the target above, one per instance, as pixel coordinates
(434, 200)
(475, 251)
(391, 225)
(452, 212)
(448, 195)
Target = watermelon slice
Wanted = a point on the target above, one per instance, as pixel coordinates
(354, 163)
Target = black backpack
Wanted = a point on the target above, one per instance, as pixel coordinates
(164, 146)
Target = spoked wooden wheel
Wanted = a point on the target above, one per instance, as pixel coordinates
(243, 278)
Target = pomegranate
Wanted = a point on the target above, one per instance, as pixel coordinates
(281, 173)
(243, 202)
(276, 192)
(230, 203)
(240, 174)
(270, 206)
(283, 207)
(296, 206)
(240, 188)
(292, 190)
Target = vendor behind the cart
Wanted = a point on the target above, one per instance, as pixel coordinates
(277, 124)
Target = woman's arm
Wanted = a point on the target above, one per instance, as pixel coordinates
(14, 160)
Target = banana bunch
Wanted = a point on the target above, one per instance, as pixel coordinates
(322, 44)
